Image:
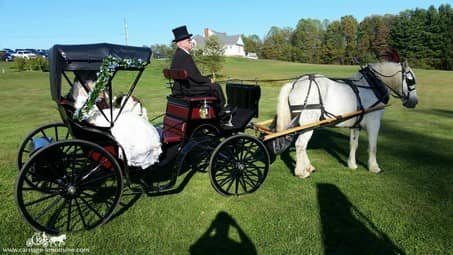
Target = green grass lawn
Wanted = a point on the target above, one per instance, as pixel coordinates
(408, 208)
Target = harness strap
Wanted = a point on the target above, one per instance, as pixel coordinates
(305, 106)
(356, 91)
(378, 87)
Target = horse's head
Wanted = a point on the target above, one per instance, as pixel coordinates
(408, 93)
(398, 77)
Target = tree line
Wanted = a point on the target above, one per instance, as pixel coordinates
(422, 36)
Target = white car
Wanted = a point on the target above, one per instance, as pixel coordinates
(24, 54)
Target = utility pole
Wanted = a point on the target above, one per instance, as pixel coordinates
(125, 31)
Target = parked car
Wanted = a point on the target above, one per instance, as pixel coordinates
(24, 54)
(5, 56)
(42, 53)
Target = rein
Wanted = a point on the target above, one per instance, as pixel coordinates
(262, 80)
(395, 93)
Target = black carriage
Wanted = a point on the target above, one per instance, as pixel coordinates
(72, 173)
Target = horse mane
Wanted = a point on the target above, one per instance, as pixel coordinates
(391, 55)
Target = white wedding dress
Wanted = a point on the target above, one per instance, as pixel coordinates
(132, 130)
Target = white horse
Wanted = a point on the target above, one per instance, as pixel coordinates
(312, 97)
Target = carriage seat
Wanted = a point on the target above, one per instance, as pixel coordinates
(175, 74)
(199, 98)
(83, 129)
(181, 75)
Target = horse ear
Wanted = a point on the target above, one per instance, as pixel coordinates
(391, 55)
(405, 64)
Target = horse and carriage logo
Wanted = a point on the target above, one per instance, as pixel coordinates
(44, 240)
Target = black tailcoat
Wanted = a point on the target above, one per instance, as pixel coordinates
(196, 84)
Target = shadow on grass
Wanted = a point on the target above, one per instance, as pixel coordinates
(218, 238)
(424, 161)
(345, 230)
(437, 112)
(145, 182)
(336, 144)
(417, 158)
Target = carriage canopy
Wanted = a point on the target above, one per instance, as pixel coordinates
(87, 57)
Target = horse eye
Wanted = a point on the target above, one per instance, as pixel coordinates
(409, 76)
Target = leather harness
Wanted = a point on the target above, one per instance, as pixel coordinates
(375, 84)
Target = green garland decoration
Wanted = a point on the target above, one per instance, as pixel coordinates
(109, 65)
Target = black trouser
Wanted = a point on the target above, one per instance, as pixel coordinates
(217, 91)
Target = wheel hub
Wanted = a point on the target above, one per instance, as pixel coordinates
(71, 190)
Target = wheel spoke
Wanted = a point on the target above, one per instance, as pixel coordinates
(223, 181)
(236, 184)
(90, 207)
(248, 181)
(230, 184)
(44, 134)
(40, 199)
(80, 213)
(53, 220)
(56, 133)
(95, 179)
(68, 223)
(243, 184)
(92, 171)
(40, 214)
(42, 178)
(107, 200)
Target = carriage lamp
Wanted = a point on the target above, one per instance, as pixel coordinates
(204, 110)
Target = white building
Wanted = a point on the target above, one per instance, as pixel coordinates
(232, 44)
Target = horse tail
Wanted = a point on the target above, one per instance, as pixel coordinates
(283, 111)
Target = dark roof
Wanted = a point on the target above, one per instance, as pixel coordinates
(86, 57)
(224, 39)
(90, 56)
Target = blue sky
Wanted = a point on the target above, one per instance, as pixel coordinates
(43, 23)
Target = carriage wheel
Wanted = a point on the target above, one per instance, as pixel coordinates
(69, 186)
(53, 132)
(199, 156)
(239, 165)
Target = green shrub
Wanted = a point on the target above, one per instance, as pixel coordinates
(43, 64)
(20, 64)
(34, 64)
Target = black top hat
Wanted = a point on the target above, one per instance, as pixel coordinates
(181, 33)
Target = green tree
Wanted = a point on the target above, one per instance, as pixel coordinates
(307, 41)
(212, 57)
(446, 37)
(349, 26)
(334, 44)
(162, 51)
(373, 36)
(277, 44)
(407, 34)
(252, 43)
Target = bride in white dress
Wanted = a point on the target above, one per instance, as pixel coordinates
(132, 130)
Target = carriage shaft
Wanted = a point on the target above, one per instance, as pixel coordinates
(325, 122)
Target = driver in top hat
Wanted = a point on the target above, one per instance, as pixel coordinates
(197, 84)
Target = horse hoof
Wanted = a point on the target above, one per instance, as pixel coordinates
(375, 170)
(303, 175)
(352, 166)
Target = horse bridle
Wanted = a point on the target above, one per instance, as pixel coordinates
(407, 76)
